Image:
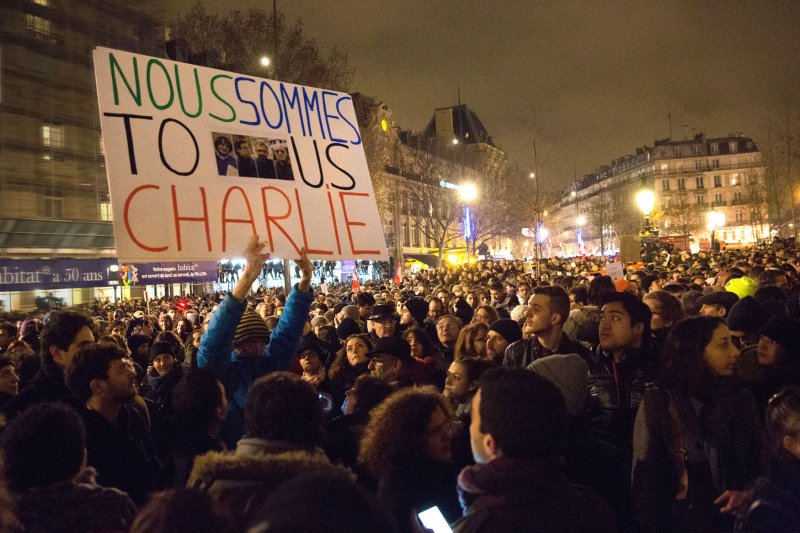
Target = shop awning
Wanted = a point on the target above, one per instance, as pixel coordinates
(429, 259)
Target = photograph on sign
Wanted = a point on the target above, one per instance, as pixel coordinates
(199, 159)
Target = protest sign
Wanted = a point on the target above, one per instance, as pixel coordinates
(198, 160)
(615, 270)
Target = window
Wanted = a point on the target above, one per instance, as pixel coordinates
(416, 235)
(714, 148)
(734, 179)
(406, 236)
(105, 211)
(697, 164)
(700, 182)
(664, 166)
(681, 184)
(53, 136)
(665, 185)
(739, 216)
(677, 151)
(737, 197)
(54, 206)
(733, 147)
(696, 149)
(718, 198)
(37, 25)
(701, 198)
(715, 163)
(717, 181)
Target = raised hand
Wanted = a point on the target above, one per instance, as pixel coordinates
(255, 256)
(307, 269)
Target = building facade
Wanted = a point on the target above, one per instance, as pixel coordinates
(701, 186)
(417, 180)
(54, 199)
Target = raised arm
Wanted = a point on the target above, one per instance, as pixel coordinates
(216, 344)
(287, 333)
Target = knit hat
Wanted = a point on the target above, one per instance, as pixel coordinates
(418, 309)
(570, 374)
(785, 331)
(250, 326)
(508, 329)
(350, 311)
(28, 325)
(742, 287)
(135, 341)
(464, 311)
(319, 321)
(347, 327)
(394, 346)
(518, 313)
(747, 315)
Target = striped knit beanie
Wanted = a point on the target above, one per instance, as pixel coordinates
(251, 325)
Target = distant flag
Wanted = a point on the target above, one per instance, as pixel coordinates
(356, 285)
(397, 275)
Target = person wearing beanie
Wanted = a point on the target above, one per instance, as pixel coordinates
(742, 287)
(414, 312)
(502, 333)
(745, 319)
(778, 357)
(237, 346)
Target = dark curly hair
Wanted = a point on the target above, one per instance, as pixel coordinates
(395, 436)
(43, 446)
(281, 406)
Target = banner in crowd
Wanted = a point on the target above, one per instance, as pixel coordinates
(49, 274)
(198, 160)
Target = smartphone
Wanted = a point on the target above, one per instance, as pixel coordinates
(434, 520)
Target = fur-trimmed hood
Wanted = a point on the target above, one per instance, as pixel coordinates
(243, 479)
(258, 460)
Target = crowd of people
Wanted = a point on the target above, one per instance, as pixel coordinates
(511, 396)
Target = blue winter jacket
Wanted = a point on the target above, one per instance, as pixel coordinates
(238, 374)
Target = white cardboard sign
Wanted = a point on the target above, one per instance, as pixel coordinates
(198, 160)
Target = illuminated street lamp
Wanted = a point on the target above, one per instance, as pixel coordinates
(646, 201)
(714, 220)
(581, 222)
(468, 193)
(265, 61)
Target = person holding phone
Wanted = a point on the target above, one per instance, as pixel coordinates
(406, 447)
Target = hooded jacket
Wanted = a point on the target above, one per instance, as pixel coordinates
(244, 479)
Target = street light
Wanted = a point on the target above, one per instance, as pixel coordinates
(580, 221)
(265, 61)
(646, 201)
(468, 193)
(714, 220)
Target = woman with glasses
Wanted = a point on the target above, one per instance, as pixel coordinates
(774, 502)
(696, 441)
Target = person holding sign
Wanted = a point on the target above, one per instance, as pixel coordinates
(235, 345)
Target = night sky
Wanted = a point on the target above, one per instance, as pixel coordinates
(599, 76)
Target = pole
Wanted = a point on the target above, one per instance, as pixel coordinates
(538, 221)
